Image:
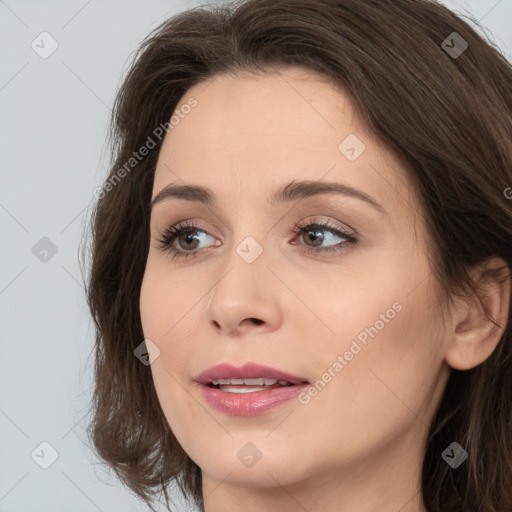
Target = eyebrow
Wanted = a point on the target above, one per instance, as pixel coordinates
(290, 192)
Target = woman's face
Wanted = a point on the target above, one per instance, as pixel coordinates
(348, 307)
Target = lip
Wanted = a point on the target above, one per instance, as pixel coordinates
(248, 404)
(247, 371)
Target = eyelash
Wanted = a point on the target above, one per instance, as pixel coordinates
(173, 232)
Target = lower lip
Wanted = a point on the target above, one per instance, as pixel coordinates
(250, 404)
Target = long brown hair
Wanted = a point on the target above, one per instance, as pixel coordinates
(441, 102)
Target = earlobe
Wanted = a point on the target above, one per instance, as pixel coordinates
(479, 322)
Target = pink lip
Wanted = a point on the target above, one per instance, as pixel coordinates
(247, 371)
(248, 404)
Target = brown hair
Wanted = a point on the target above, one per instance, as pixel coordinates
(447, 117)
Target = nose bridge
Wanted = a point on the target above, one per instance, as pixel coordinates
(248, 246)
(244, 270)
(243, 290)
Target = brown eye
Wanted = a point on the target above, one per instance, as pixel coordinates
(323, 236)
(187, 237)
(188, 240)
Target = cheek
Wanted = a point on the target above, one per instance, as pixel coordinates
(167, 306)
(391, 355)
(385, 305)
(167, 319)
(379, 391)
(387, 349)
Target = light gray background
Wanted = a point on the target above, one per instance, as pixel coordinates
(54, 114)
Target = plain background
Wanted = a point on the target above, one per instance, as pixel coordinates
(54, 115)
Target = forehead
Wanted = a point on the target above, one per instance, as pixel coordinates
(247, 113)
(248, 134)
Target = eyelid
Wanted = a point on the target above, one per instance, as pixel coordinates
(175, 230)
(329, 224)
(311, 220)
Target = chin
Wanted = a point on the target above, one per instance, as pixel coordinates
(268, 473)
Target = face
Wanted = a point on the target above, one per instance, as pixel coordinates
(332, 287)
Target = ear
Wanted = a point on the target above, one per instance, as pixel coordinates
(478, 323)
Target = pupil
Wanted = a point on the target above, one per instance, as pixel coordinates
(190, 237)
(317, 237)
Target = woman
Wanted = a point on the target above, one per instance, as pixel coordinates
(301, 263)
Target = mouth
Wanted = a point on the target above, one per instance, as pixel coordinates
(249, 377)
(249, 390)
(248, 385)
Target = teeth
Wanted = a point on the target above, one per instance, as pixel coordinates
(249, 382)
(254, 382)
(238, 389)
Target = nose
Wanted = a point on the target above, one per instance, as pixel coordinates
(246, 298)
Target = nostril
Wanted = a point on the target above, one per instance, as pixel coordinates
(257, 321)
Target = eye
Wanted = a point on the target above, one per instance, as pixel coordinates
(187, 235)
(314, 235)
(184, 239)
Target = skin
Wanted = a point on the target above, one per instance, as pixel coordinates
(358, 444)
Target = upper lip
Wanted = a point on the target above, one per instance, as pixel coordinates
(247, 371)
